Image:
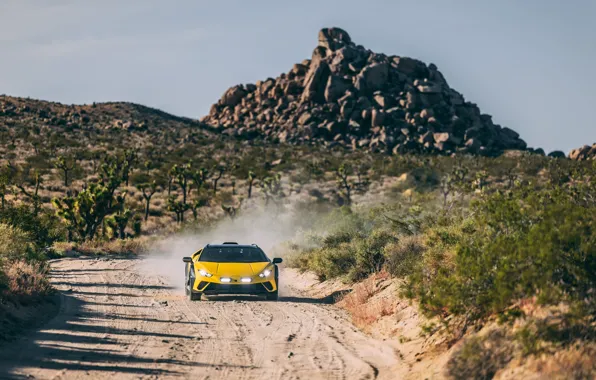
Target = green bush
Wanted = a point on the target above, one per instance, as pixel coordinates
(328, 263)
(403, 256)
(15, 244)
(369, 252)
(42, 227)
(517, 245)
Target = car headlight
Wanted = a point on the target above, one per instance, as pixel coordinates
(246, 279)
(225, 279)
(204, 273)
(265, 273)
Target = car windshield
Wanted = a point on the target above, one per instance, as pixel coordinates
(233, 255)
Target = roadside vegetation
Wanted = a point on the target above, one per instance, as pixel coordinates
(519, 253)
(473, 241)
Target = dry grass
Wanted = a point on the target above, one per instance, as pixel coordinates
(576, 363)
(362, 304)
(118, 247)
(25, 281)
(481, 356)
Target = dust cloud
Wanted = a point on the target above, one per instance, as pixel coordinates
(267, 227)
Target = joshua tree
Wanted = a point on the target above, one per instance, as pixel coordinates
(251, 180)
(220, 171)
(446, 186)
(182, 175)
(148, 190)
(128, 159)
(481, 180)
(344, 185)
(66, 164)
(272, 187)
(179, 208)
(21, 177)
(200, 177)
(197, 203)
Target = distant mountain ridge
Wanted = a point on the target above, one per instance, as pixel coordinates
(350, 96)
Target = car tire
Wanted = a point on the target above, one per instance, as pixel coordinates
(273, 296)
(194, 296)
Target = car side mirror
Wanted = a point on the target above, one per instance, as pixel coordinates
(187, 259)
(277, 260)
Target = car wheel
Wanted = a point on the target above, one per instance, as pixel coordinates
(194, 296)
(273, 296)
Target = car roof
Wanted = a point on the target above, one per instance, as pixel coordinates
(228, 245)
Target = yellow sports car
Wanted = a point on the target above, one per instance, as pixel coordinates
(230, 268)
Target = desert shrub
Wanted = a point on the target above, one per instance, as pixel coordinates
(403, 256)
(42, 227)
(25, 282)
(480, 357)
(369, 254)
(116, 246)
(329, 263)
(517, 245)
(15, 244)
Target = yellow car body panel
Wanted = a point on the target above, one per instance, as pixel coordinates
(235, 272)
(207, 273)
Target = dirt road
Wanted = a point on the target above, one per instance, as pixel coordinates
(116, 321)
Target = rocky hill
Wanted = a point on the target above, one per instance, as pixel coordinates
(350, 96)
(98, 116)
(586, 152)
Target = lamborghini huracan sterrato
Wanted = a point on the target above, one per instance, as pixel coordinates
(231, 268)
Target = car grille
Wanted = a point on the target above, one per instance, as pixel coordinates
(235, 288)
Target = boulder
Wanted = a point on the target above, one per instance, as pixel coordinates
(315, 82)
(372, 77)
(233, 96)
(336, 88)
(409, 66)
(584, 153)
(334, 38)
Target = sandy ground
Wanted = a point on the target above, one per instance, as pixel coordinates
(115, 321)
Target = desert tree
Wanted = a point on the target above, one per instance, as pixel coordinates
(147, 190)
(251, 179)
(272, 189)
(128, 161)
(178, 207)
(446, 187)
(182, 175)
(66, 164)
(344, 185)
(481, 180)
(24, 178)
(221, 169)
(200, 178)
(200, 201)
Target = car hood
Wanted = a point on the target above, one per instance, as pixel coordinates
(233, 269)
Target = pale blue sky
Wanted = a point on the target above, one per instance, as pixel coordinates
(531, 64)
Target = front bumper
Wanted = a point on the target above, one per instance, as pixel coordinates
(203, 285)
(215, 288)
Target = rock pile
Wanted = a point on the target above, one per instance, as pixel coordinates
(347, 95)
(584, 153)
